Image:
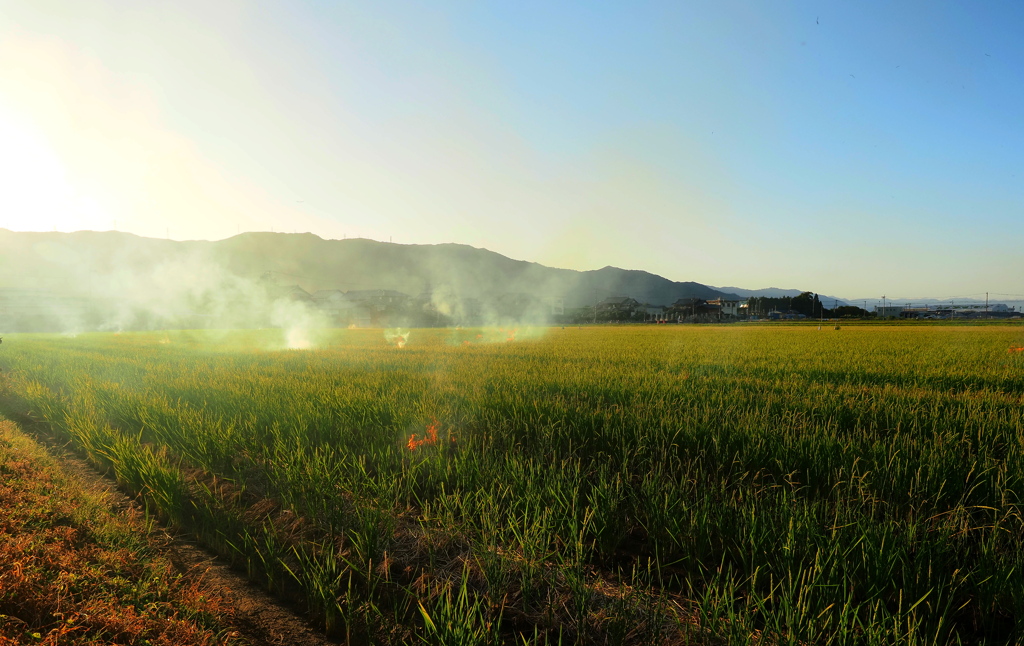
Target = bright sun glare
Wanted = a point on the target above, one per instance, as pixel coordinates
(35, 193)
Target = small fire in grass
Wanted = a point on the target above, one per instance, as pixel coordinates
(1016, 348)
(429, 437)
(397, 337)
(510, 335)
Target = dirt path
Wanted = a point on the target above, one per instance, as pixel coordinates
(261, 619)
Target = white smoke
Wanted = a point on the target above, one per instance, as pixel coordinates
(129, 286)
(298, 322)
(397, 337)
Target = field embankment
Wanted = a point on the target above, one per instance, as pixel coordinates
(626, 485)
(74, 571)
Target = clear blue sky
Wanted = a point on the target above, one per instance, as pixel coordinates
(849, 148)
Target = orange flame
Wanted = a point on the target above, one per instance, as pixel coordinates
(397, 337)
(429, 439)
(1015, 348)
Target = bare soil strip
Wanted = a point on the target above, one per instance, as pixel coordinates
(259, 618)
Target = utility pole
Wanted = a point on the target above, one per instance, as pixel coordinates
(986, 304)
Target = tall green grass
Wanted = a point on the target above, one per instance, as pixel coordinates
(626, 485)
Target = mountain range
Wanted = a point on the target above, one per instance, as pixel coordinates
(129, 272)
(120, 264)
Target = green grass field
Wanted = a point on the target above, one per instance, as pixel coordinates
(600, 485)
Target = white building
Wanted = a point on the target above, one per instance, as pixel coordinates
(730, 308)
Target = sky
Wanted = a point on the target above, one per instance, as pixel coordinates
(849, 148)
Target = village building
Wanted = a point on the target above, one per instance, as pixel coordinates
(340, 309)
(289, 292)
(729, 308)
(555, 305)
(618, 304)
(889, 311)
(654, 313)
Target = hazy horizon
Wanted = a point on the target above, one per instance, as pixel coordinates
(861, 300)
(845, 149)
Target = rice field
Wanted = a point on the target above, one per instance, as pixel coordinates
(626, 485)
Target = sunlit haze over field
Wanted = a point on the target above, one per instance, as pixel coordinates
(850, 148)
(642, 323)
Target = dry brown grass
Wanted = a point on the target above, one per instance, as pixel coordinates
(72, 571)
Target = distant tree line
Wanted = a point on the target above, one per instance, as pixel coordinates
(806, 303)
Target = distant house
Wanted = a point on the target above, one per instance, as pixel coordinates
(289, 292)
(432, 308)
(729, 308)
(686, 302)
(889, 310)
(788, 315)
(338, 307)
(618, 304)
(379, 306)
(700, 310)
(618, 308)
(685, 307)
(379, 299)
(555, 305)
(325, 297)
(654, 313)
